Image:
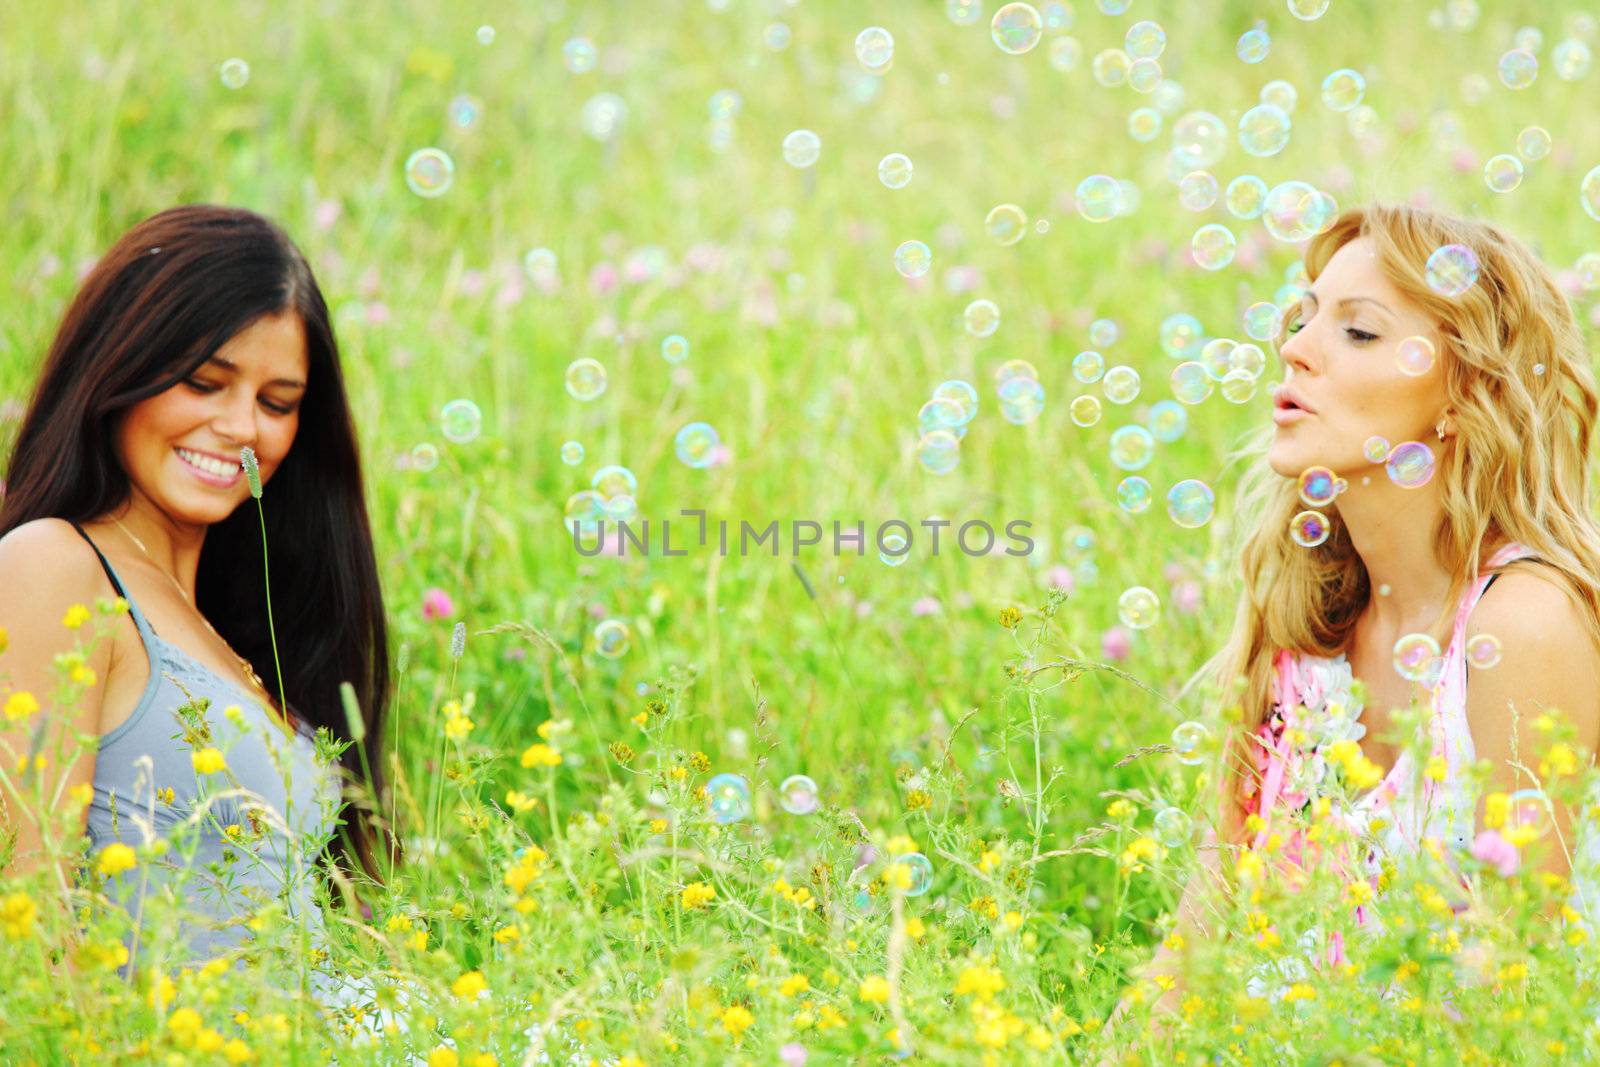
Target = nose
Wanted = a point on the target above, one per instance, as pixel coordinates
(1296, 351)
(235, 420)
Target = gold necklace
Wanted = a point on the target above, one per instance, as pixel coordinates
(249, 671)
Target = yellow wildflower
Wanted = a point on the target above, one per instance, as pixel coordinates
(640, 719)
(20, 705)
(17, 912)
(469, 985)
(915, 928)
(82, 674)
(1495, 809)
(541, 755)
(1138, 850)
(116, 858)
(237, 1051)
(519, 801)
(208, 761)
(899, 845)
(75, 617)
(658, 826)
(1560, 760)
(697, 895)
(1300, 991)
(444, 1056)
(793, 985)
(989, 860)
(981, 982)
(874, 989)
(1435, 769)
(736, 1020)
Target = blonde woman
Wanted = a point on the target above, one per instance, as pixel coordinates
(1500, 391)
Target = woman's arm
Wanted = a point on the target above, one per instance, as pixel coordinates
(45, 568)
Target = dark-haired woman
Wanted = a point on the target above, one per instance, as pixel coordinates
(201, 333)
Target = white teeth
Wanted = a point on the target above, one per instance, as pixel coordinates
(207, 464)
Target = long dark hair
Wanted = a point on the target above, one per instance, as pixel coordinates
(167, 295)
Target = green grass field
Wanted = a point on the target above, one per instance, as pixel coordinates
(900, 690)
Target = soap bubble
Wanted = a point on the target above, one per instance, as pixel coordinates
(429, 172)
(1375, 449)
(1318, 486)
(1518, 68)
(424, 457)
(460, 421)
(578, 55)
(1173, 827)
(1016, 28)
(674, 348)
(801, 148)
(614, 480)
(1099, 198)
(1245, 196)
(1120, 385)
(1213, 246)
(894, 170)
(964, 12)
(1413, 655)
(1006, 224)
(1237, 387)
(1144, 124)
(1021, 400)
(1530, 808)
(1065, 53)
(571, 453)
(962, 394)
(1181, 335)
(939, 451)
(696, 445)
(1343, 89)
(1132, 447)
(798, 795)
(921, 870)
(874, 48)
(1410, 465)
(1134, 494)
(1280, 94)
(586, 379)
(1191, 503)
(1533, 143)
(1262, 321)
(234, 72)
(1309, 529)
(1570, 59)
(1483, 651)
(602, 114)
(1307, 10)
(1145, 40)
(893, 548)
(1190, 383)
(1197, 190)
(1589, 194)
(1138, 608)
(1188, 738)
(912, 259)
(1167, 421)
(1452, 269)
(1199, 140)
(1415, 356)
(1264, 130)
(1084, 410)
(728, 798)
(1502, 173)
(611, 638)
(1253, 45)
(539, 265)
(1103, 333)
(981, 318)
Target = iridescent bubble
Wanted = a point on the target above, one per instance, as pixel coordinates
(1145, 40)
(1264, 130)
(1483, 651)
(1414, 356)
(1530, 808)
(1533, 143)
(1262, 321)
(1253, 45)
(1280, 94)
(1181, 335)
(424, 457)
(1088, 366)
(1144, 75)
(429, 172)
(539, 265)
(1099, 198)
(1016, 28)
(874, 48)
(1167, 421)
(1413, 654)
(1309, 529)
(1014, 368)
(463, 110)
(1587, 268)
(1021, 400)
(460, 421)
(1197, 190)
(912, 259)
(801, 148)
(1144, 124)
(798, 795)
(963, 12)
(578, 55)
(614, 480)
(602, 115)
(485, 35)
(981, 318)
(962, 394)
(725, 104)
(1134, 494)
(1375, 449)
(1199, 139)
(1138, 608)
(940, 413)
(1245, 196)
(1213, 246)
(1570, 59)
(1120, 385)
(894, 170)
(1173, 827)
(728, 798)
(1502, 173)
(1065, 53)
(1132, 447)
(1188, 739)
(612, 638)
(1343, 89)
(1084, 410)
(696, 445)
(571, 453)
(1589, 194)
(1410, 464)
(1307, 10)
(1078, 544)
(1217, 357)
(1006, 224)
(893, 548)
(1191, 503)
(1518, 68)
(586, 379)
(234, 72)
(1318, 486)
(582, 512)
(939, 451)
(1111, 66)
(921, 872)
(1103, 333)
(1452, 269)
(777, 36)
(1190, 383)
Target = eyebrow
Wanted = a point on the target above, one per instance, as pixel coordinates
(1351, 300)
(227, 364)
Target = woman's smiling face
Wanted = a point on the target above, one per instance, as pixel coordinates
(180, 447)
(1343, 367)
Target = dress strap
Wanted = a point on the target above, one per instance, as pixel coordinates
(139, 621)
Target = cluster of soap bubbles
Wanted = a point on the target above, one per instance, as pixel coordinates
(1021, 395)
(942, 423)
(612, 495)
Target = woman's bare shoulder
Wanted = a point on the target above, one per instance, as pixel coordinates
(45, 566)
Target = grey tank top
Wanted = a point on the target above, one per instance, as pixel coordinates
(250, 835)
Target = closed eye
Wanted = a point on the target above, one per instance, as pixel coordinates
(206, 387)
(1360, 337)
